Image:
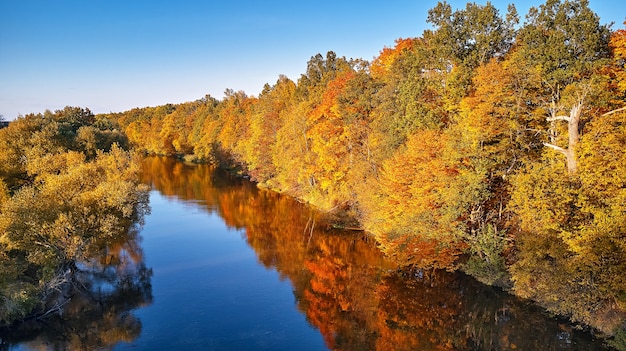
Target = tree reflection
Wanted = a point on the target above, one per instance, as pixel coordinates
(348, 290)
(93, 310)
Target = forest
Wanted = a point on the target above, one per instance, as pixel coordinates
(489, 144)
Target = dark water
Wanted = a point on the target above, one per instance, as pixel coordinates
(222, 265)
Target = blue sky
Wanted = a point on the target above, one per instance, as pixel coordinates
(113, 55)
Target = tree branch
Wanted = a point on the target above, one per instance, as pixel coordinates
(558, 118)
(614, 111)
(557, 148)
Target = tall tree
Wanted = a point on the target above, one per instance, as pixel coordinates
(233, 112)
(562, 243)
(466, 38)
(293, 154)
(264, 124)
(471, 36)
(565, 41)
(410, 95)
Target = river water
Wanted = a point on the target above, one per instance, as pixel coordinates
(222, 265)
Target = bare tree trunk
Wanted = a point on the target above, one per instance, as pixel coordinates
(573, 134)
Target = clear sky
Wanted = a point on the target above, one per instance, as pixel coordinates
(113, 55)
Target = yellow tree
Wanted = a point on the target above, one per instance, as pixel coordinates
(339, 140)
(69, 212)
(600, 241)
(388, 57)
(422, 207)
(203, 112)
(409, 95)
(292, 155)
(291, 151)
(264, 124)
(176, 128)
(205, 144)
(571, 251)
(233, 113)
(616, 72)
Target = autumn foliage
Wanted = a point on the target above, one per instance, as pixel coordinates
(485, 144)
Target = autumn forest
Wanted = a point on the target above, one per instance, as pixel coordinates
(491, 144)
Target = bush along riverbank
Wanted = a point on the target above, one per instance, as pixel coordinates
(70, 202)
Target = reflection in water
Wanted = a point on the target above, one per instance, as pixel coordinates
(94, 312)
(347, 290)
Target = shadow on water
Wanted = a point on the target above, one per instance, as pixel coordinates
(346, 288)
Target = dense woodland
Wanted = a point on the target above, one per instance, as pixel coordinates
(489, 144)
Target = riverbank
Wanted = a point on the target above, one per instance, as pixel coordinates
(342, 220)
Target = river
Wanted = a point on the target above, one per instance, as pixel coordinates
(222, 265)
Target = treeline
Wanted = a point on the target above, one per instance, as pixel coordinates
(69, 201)
(485, 144)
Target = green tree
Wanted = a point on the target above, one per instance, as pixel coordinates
(566, 43)
(471, 36)
(464, 39)
(409, 95)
